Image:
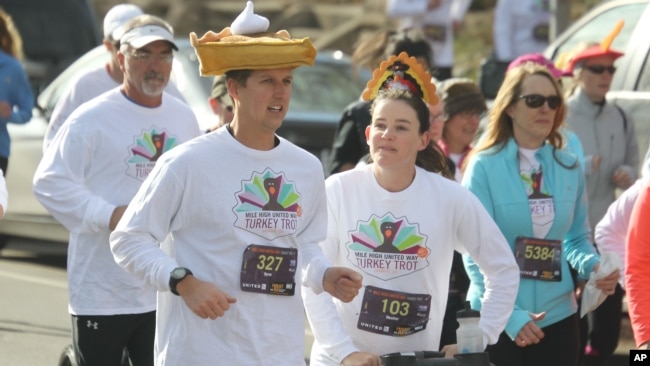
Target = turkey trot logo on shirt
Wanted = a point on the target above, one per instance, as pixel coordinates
(268, 205)
(542, 208)
(145, 152)
(387, 247)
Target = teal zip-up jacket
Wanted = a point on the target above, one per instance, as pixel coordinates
(493, 176)
(15, 90)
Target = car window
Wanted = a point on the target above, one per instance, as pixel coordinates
(644, 78)
(187, 58)
(325, 87)
(601, 25)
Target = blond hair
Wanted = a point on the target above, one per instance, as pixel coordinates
(10, 40)
(500, 126)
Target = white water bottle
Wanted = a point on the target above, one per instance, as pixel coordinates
(469, 336)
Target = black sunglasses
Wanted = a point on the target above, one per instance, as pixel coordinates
(537, 100)
(599, 69)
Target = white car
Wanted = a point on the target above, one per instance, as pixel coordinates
(630, 87)
(320, 93)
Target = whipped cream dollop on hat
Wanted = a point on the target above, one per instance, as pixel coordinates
(247, 44)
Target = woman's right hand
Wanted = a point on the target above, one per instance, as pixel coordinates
(530, 333)
(5, 109)
(450, 350)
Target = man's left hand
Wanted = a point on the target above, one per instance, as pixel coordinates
(342, 283)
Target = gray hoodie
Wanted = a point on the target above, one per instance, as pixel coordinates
(604, 131)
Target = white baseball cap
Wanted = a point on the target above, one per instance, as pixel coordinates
(116, 17)
(143, 35)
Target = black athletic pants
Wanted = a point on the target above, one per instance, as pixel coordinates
(101, 340)
(559, 347)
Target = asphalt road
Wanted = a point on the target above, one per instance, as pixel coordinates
(34, 321)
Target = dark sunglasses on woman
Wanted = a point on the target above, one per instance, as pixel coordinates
(599, 69)
(537, 100)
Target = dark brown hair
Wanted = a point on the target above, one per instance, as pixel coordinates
(240, 76)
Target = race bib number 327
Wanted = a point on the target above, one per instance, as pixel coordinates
(269, 270)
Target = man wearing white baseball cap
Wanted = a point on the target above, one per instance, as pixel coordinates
(87, 177)
(140, 36)
(101, 79)
(115, 19)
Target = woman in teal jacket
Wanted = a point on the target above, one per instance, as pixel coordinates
(16, 99)
(535, 192)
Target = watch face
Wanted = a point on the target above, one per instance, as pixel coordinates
(179, 272)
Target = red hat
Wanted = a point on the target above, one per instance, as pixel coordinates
(539, 59)
(601, 49)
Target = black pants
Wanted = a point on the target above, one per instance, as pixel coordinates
(4, 163)
(458, 285)
(101, 340)
(455, 302)
(559, 347)
(601, 329)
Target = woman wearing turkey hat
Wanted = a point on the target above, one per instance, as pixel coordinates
(398, 221)
(611, 163)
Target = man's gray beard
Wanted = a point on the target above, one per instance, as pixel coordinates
(152, 90)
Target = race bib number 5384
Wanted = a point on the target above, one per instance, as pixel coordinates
(539, 259)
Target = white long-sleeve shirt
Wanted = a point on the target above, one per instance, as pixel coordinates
(428, 221)
(210, 195)
(519, 28)
(414, 14)
(611, 231)
(97, 162)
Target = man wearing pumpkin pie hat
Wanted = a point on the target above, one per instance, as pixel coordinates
(243, 211)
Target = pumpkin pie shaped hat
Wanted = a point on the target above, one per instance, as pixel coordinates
(247, 44)
(401, 72)
(602, 49)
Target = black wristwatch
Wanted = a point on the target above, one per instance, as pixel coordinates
(176, 276)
